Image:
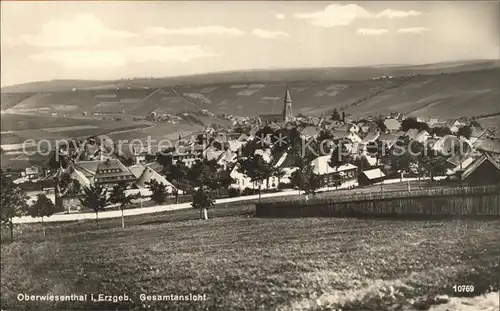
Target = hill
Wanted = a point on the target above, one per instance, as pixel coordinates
(440, 90)
(256, 75)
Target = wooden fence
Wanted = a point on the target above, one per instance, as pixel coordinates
(460, 202)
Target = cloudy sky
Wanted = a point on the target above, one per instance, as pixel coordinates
(109, 40)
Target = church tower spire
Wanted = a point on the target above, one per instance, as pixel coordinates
(287, 108)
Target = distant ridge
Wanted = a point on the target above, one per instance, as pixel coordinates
(258, 75)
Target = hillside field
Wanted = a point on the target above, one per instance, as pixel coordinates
(420, 92)
(246, 263)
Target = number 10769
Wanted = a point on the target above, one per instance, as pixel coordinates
(463, 288)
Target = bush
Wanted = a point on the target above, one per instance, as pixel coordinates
(248, 191)
(233, 192)
(284, 186)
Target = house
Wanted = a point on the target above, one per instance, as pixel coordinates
(108, 172)
(270, 118)
(490, 146)
(145, 174)
(392, 125)
(329, 175)
(212, 153)
(264, 153)
(433, 121)
(415, 135)
(422, 136)
(242, 181)
(309, 132)
(460, 162)
(333, 124)
(453, 125)
(370, 177)
(389, 140)
(288, 163)
(227, 158)
(364, 126)
(477, 133)
(447, 145)
(235, 145)
(484, 170)
(348, 127)
(32, 172)
(371, 137)
(346, 135)
(187, 154)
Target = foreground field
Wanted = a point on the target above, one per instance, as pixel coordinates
(245, 263)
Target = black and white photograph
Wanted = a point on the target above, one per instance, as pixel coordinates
(250, 155)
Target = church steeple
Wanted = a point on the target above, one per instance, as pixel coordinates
(287, 108)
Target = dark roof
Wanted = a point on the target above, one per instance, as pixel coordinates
(112, 170)
(291, 160)
(488, 145)
(471, 168)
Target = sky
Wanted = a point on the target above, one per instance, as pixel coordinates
(111, 40)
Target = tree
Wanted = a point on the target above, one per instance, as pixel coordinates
(465, 131)
(405, 156)
(249, 148)
(158, 191)
(412, 123)
(177, 172)
(203, 172)
(256, 169)
(278, 172)
(324, 140)
(475, 124)
(335, 115)
(306, 180)
(200, 139)
(165, 160)
(440, 131)
(340, 155)
(13, 204)
(118, 196)
(43, 207)
(94, 198)
(202, 201)
(381, 125)
(433, 165)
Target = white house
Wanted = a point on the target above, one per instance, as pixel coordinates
(145, 174)
(242, 181)
(347, 172)
(264, 153)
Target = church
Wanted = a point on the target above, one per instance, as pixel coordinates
(284, 117)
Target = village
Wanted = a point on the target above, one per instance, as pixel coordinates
(272, 153)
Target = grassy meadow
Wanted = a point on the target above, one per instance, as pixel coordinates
(245, 263)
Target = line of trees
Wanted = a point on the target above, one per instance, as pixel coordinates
(14, 203)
